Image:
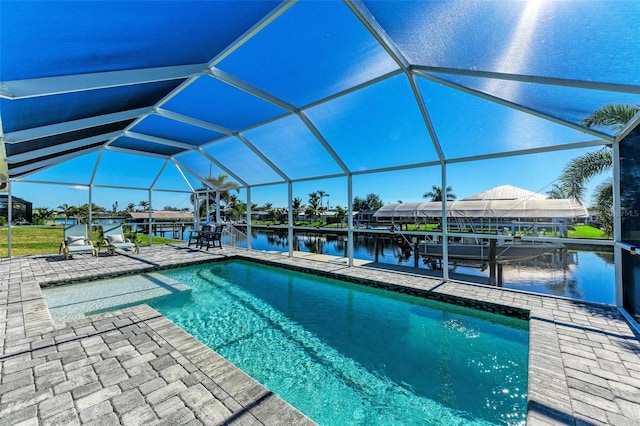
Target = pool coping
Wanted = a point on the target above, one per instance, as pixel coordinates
(584, 359)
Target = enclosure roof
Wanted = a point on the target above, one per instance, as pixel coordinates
(160, 215)
(525, 208)
(505, 192)
(269, 92)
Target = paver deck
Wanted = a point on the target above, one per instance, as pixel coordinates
(136, 367)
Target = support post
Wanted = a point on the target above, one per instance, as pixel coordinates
(90, 219)
(218, 219)
(150, 220)
(249, 218)
(350, 218)
(492, 261)
(617, 227)
(9, 219)
(290, 218)
(445, 237)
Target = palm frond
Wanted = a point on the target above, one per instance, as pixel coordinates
(611, 115)
(580, 170)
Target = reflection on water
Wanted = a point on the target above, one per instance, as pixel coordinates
(577, 274)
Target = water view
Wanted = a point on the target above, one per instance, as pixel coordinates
(573, 272)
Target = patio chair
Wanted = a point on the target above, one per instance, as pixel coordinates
(212, 237)
(76, 241)
(113, 239)
(195, 237)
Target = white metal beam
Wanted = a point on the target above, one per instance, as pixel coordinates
(182, 174)
(47, 86)
(50, 162)
(352, 89)
(248, 35)
(155, 180)
(70, 126)
(192, 121)
(313, 129)
(234, 81)
(515, 106)
(51, 150)
(51, 182)
(530, 151)
(263, 157)
(552, 81)
(135, 152)
(157, 140)
(222, 166)
(426, 118)
(371, 24)
(628, 128)
(202, 179)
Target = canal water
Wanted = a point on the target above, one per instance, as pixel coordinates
(580, 274)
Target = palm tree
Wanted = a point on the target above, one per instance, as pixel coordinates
(221, 184)
(67, 210)
(239, 209)
(557, 192)
(604, 206)
(436, 193)
(340, 215)
(370, 202)
(82, 212)
(313, 208)
(616, 115)
(296, 206)
(144, 205)
(42, 214)
(580, 170)
(322, 194)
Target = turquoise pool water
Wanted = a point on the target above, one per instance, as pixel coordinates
(352, 355)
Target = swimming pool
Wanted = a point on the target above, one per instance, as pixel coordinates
(347, 354)
(341, 353)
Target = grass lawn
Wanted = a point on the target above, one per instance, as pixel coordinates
(585, 231)
(28, 240)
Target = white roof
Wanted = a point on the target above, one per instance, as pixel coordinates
(501, 202)
(506, 192)
(162, 214)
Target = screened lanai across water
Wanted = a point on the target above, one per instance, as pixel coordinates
(157, 96)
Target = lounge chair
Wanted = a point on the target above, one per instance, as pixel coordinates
(76, 241)
(113, 239)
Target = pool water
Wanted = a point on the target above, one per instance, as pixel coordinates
(353, 355)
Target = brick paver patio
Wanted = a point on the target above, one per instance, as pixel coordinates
(135, 367)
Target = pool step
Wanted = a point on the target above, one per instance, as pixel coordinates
(75, 301)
